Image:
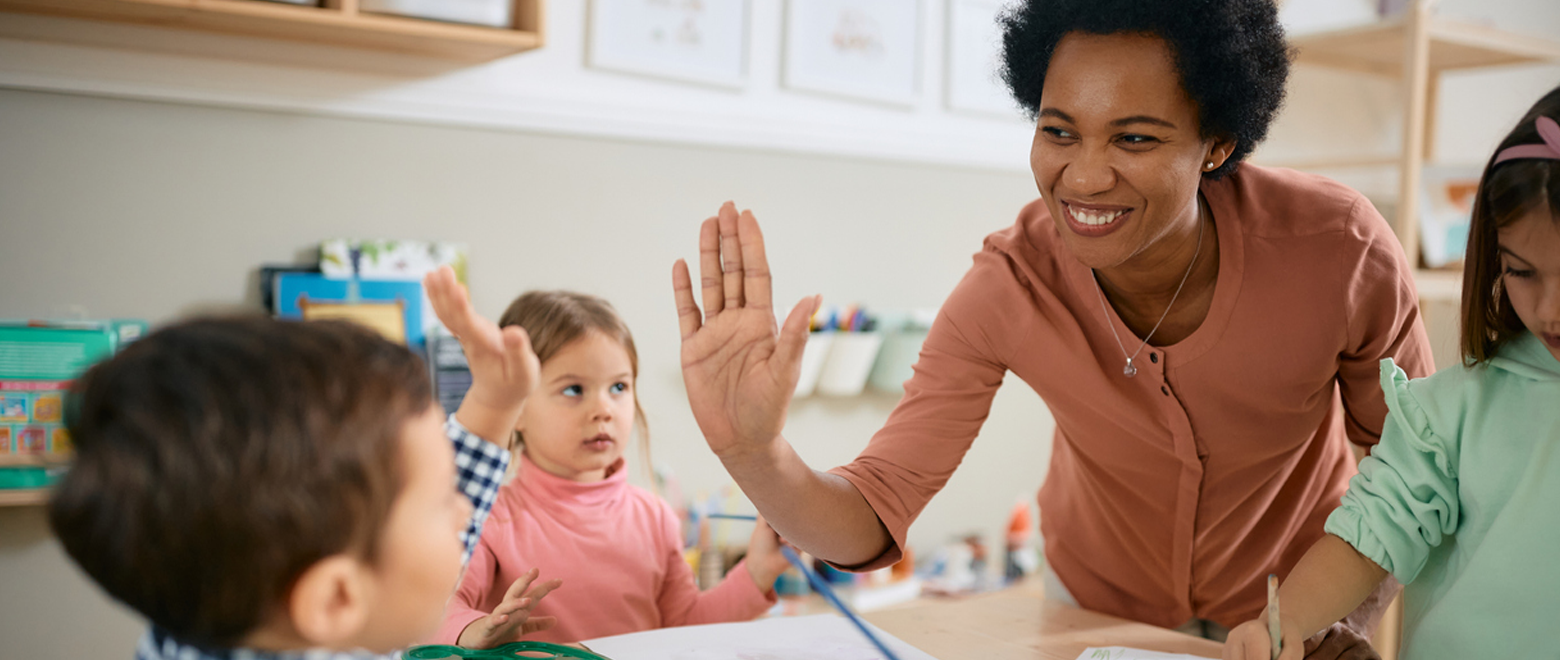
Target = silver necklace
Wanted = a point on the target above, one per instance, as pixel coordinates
(1130, 370)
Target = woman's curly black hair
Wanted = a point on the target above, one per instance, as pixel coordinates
(1231, 55)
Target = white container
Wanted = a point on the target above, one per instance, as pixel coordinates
(896, 362)
(850, 361)
(813, 358)
(494, 13)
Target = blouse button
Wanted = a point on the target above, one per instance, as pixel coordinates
(1153, 357)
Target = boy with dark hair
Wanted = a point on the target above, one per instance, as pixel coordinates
(256, 487)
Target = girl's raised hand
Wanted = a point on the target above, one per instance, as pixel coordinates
(740, 369)
(511, 619)
(503, 367)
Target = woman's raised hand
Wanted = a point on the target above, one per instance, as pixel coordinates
(740, 370)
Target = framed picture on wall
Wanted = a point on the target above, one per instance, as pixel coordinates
(702, 41)
(865, 49)
(975, 59)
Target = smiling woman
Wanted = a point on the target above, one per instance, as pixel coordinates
(1206, 333)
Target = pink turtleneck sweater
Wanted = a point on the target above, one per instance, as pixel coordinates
(617, 548)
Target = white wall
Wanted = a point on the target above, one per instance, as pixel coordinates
(172, 168)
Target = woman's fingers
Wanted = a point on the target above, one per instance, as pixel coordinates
(755, 264)
(730, 257)
(682, 290)
(793, 337)
(710, 277)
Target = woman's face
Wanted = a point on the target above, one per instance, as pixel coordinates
(1117, 153)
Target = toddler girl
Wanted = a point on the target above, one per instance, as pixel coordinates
(570, 512)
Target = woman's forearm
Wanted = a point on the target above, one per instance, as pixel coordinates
(1329, 583)
(821, 513)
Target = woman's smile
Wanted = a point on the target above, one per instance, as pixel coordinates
(1094, 220)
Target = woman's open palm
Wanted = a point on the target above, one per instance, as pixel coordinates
(739, 370)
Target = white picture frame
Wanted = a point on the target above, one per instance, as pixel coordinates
(861, 49)
(699, 41)
(974, 82)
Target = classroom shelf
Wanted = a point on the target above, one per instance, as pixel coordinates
(1439, 285)
(1379, 48)
(24, 497)
(338, 23)
(1415, 48)
(31, 460)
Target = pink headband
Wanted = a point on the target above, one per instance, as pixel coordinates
(1549, 148)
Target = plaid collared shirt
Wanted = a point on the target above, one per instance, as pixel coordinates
(480, 467)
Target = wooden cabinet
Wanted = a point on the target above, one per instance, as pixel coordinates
(1415, 48)
(338, 22)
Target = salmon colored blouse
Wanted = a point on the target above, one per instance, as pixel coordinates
(1172, 494)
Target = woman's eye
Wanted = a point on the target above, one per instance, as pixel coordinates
(619, 388)
(1138, 140)
(1057, 133)
(573, 390)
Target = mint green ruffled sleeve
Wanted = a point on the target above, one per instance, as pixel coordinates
(1403, 502)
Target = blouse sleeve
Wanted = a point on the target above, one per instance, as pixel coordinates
(1382, 309)
(1403, 503)
(946, 401)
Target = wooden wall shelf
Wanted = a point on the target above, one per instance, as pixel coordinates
(339, 23)
(26, 497)
(1453, 45)
(1415, 48)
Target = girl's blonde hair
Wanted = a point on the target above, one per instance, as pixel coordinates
(553, 319)
(1507, 192)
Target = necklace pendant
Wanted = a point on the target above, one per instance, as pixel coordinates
(1129, 370)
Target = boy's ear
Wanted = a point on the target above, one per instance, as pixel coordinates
(330, 602)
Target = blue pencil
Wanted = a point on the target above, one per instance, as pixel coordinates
(732, 516)
(828, 594)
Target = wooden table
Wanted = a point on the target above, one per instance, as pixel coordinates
(1019, 624)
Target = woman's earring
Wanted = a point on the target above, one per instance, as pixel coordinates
(1208, 165)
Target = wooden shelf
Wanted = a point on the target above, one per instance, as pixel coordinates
(32, 460)
(1453, 45)
(1439, 285)
(24, 497)
(339, 23)
(1415, 48)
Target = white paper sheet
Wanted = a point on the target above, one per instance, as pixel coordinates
(1124, 653)
(819, 637)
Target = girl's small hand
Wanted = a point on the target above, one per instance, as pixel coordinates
(764, 561)
(511, 619)
(503, 367)
(1250, 641)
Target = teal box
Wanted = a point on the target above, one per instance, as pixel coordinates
(60, 351)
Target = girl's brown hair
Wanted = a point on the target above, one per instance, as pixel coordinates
(1507, 192)
(553, 319)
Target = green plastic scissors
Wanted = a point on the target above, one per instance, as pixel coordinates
(511, 651)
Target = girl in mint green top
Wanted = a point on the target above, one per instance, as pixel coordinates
(1461, 499)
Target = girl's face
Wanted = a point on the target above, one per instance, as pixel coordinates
(576, 423)
(1530, 273)
(1117, 153)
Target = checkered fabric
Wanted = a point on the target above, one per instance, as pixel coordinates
(479, 466)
